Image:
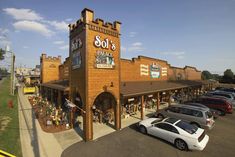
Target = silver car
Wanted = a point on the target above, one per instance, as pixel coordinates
(200, 117)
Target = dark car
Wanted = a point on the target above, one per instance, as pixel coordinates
(221, 105)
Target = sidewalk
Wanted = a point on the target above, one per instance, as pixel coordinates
(34, 141)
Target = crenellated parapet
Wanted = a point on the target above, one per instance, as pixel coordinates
(87, 17)
(44, 57)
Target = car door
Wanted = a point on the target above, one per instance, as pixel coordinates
(164, 131)
(173, 112)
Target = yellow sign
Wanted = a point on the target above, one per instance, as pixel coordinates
(5, 154)
(28, 90)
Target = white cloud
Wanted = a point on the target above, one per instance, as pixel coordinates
(33, 26)
(61, 26)
(3, 31)
(25, 47)
(3, 37)
(22, 14)
(4, 42)
(132, 34)
(137, 46)
(65, 47)
(59, 42)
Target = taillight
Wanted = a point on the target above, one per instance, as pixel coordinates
(229, 105)
(208, 121)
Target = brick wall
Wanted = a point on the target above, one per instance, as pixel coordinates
(64, 70)
(49, 68)
(140, 69)
(192, 73)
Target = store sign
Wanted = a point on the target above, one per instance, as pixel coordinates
(144, 70)
(76, 59)
(76, 43)
(104, 44)
(155, 71)
(104, 60)
(164, 71)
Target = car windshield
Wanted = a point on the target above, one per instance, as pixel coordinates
(155, 121)
(187, 127)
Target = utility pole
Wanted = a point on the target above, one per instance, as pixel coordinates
(12, 73)
(12, 80)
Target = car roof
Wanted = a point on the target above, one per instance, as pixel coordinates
(196, 104)
(190, 107)
(213, 98)
(171, 120)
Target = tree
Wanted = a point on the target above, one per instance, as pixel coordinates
(206, 75)
(228, 76)
(2, 52)
(216, 77)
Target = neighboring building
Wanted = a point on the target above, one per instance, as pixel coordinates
(49, 68)
(23, 71)
(64, 70)
(95, 78)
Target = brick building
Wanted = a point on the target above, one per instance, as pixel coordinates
(106, 87)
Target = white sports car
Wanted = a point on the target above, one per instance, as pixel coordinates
(183, 135)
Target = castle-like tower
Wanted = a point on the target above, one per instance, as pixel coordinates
(95, 68)
(49, 68)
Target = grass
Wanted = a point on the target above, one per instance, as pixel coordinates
(9, 129)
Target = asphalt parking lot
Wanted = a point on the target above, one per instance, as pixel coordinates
(129, 142)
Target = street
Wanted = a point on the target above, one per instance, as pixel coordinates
(129, 142)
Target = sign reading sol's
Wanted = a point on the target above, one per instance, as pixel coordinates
(104, 44)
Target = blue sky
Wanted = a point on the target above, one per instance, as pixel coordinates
(199, 33)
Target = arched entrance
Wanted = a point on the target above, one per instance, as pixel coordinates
(104, 108)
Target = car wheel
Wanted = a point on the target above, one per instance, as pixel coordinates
(180, 144)
(143, 129)
(160, 116)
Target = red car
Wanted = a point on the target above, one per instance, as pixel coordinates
(221, 105)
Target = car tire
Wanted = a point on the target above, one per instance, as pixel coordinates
(143, 129)
(160, 116)
(181, 144)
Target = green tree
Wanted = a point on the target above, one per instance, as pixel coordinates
(2, 52)
(206, 75)
(217, 77)
(228, 76)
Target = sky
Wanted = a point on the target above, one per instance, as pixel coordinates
(198, 33)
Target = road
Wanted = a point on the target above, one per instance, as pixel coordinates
(129, 142)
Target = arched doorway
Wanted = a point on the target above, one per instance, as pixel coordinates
(104, 108)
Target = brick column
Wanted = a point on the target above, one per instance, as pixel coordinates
(88, 123)
(118, 116)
